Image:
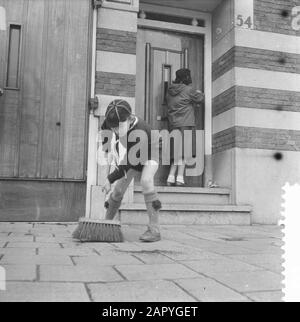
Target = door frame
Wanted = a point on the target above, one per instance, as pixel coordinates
(206, 33)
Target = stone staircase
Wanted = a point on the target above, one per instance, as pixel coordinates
(189, 206)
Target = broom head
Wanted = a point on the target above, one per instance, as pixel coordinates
(91, 230)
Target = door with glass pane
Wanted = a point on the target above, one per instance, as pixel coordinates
(160, 54)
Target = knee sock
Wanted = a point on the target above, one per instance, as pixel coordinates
(153, 206)
(112, 207)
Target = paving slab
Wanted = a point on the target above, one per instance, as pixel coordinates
(18, 251)
(275, 296)
(207, 290)
(79, 274)
(58, 239)
(12, 238)
(145, 291)
(32, 245)
(127, 247)
(20, 272)
(182, 254)
(155, 271)
(226, 249)
(152, 257)
(15, 227)
(191, 263)
(220, 265)
(65, 251)
(44, 292)
(270, 262)
(106, 260)
(97, 246)
(36, 259)
(249, 281)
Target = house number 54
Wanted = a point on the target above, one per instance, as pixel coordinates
(244, 22)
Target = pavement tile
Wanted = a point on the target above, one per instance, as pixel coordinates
(146, 291)
(127, 247)
(17, 239)
(249, 281)
(163, 245)
(14, 227)
(79, 274)
(152, 257)
(271, 262)
(32, 245)
(36, 259)
(207, 290)
(224, 249)
(20, 272)
(155, 271)
(58, 239)
(257, 247)
(44, 292)
(182, 254)
(106, 260)
(65, 251)
(18, 251)
(275, 296)
(220, 265)
(97, 246)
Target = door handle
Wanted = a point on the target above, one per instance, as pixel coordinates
(1, 91)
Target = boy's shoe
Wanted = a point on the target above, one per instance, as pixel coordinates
(150, 236)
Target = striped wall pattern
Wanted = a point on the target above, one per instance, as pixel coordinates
(257, 138)
(258, 72)
(115, 84)
(256, 98)
(116, 55)
(257, 59)
(117, 41)
(274, 16)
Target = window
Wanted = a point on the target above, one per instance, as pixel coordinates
(13, 63)
(167, 75)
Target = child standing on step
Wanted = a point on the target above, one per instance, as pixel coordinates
(120, 120)
(181, 99)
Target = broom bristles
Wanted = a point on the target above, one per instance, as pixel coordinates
(98, 231)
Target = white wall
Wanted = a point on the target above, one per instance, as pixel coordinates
(260, 179)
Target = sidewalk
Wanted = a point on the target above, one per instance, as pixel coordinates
(191, 263)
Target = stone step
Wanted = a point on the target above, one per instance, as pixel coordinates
(175, 214)
(188, 195)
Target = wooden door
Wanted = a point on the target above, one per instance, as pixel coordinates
(44, 74)
(163, 53)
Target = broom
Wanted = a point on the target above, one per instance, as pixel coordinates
(97, 230)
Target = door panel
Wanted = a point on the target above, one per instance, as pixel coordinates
(43, 111)
(167, 53)
(43, 121)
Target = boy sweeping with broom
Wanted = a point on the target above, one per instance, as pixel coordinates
(120, 120)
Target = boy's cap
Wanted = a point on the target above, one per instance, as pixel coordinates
(117, 111)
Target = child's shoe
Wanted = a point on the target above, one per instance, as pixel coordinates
(171, 180)
(151, 235)
(180, 181)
